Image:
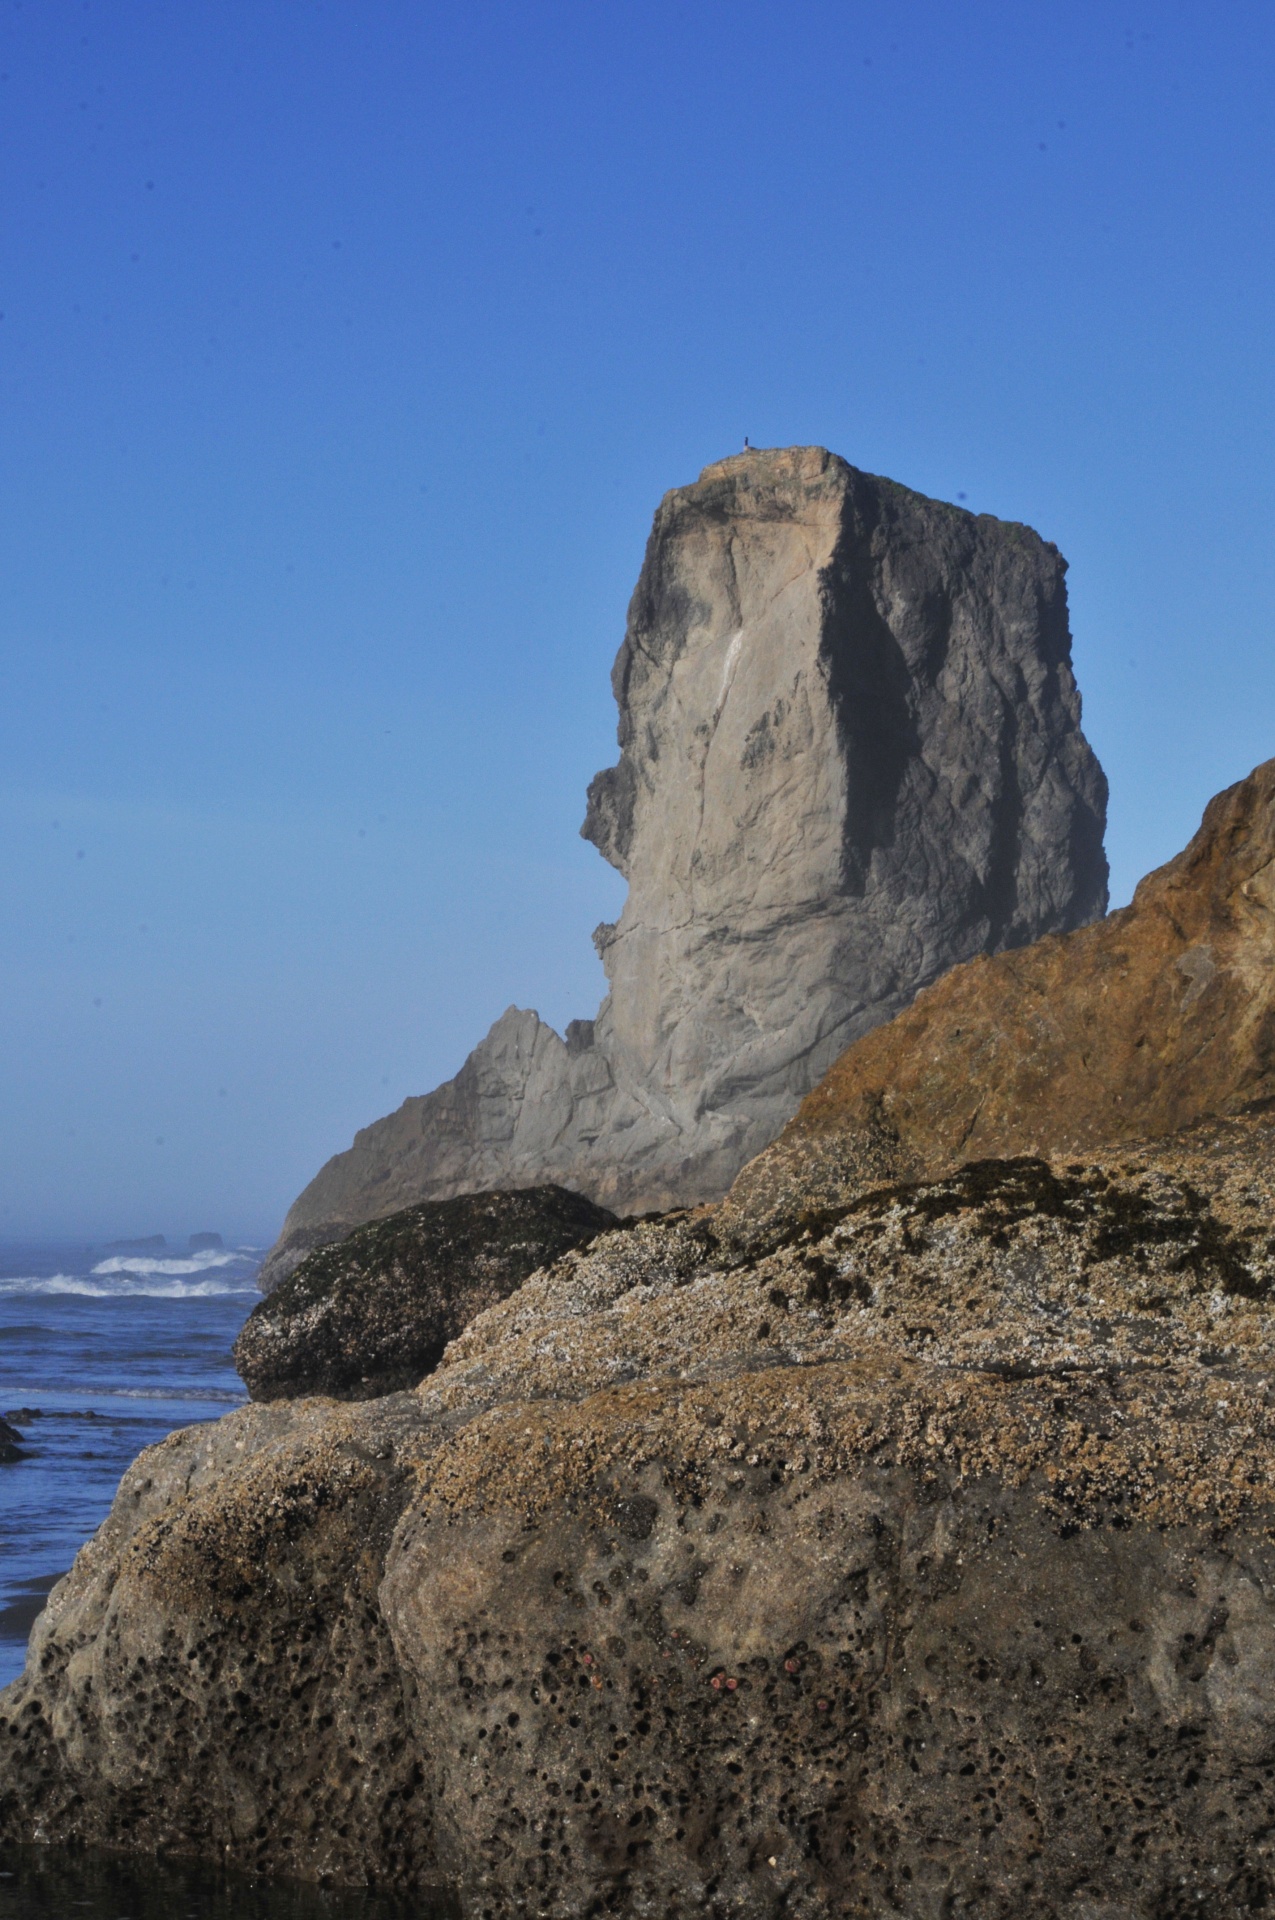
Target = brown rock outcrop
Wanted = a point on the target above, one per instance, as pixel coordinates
(1133, 1027)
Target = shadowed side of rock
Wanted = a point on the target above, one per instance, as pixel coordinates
(850, 756)
(372, 1314)
(1140, 1025)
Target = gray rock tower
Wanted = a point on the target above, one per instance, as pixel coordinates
(850, 756)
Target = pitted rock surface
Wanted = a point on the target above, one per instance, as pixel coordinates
(215, 1670)
(850, 757)
(373, 1313)
(1162, 1013)
(922, 1565)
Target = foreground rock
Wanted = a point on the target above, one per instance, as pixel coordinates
(921, 1565)
(10, 1443)
(850, 757)
(372, 1314)
(1158, 1015)
(215, 1675)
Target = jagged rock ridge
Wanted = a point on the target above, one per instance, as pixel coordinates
(850, 756)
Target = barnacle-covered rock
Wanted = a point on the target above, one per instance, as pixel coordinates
(921, 1564)
(372, 1314)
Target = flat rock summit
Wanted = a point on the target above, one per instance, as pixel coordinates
(850, 757)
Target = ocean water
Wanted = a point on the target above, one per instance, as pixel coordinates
(101, 1354)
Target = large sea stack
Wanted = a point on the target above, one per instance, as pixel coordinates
(850, 757)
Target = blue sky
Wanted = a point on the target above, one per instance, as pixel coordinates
(346, 352)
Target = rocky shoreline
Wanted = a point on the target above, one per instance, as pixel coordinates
(919, 1565)
(894, 1535)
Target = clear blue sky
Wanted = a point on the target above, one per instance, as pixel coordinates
(346, 352)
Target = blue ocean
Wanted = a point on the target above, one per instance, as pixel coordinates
(103, 1351)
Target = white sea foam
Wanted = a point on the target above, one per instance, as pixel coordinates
(190, 1392)
(33, 1283)
(195, 1263)
(126, 1286)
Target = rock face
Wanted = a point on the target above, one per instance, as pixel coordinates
(922, 1565)
(1140, 1025)
(211, 1712)
(850, 757)
(372, 1314)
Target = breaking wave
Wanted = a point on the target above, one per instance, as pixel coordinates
(192, 1263)
(191, 1391)
(128, 1284)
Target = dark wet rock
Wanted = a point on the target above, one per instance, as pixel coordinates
(850, 757)
(94, 1883)
(372, 1314)
(10, 1443)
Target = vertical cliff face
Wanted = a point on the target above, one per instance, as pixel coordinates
(850, 756)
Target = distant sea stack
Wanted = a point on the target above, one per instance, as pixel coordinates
(850, 757)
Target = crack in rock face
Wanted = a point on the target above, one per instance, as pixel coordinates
(850, 757)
